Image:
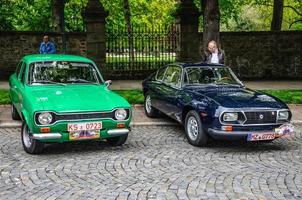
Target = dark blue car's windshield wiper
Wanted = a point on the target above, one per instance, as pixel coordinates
(47, 81)
(231, 84)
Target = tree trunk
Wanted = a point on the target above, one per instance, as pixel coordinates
(211, 21)
(277, 15)
(127, 14)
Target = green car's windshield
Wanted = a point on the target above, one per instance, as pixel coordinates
(210, 75)
(63, 72)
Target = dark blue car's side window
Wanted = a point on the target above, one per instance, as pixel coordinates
(173, 76)
(160, 74)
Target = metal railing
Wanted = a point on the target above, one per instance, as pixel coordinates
(151, 49)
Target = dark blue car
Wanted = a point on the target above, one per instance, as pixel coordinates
(209, 100)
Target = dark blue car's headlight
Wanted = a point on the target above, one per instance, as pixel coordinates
(230, 117)
(283, 115)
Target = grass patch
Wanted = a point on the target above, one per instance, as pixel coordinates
(136, 96)
(132, 96)
(288, 96)
(4, 97)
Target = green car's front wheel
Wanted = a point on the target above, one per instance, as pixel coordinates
(117, 141)
(30, 145)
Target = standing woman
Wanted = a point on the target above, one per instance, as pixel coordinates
(213, 54)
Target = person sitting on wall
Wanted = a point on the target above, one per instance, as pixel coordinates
(47, 47)
(213, 54)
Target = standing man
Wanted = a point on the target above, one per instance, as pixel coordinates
(213, 54)
(47, 47)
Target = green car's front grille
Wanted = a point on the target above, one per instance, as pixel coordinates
(56, 117)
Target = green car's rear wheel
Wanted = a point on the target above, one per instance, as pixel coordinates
(30, 145)
(15, 114)
(117, 141)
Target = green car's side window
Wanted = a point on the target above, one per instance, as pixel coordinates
(22, 73)
(18, 69)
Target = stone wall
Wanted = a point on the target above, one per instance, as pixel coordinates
(264, 55)
(14, 45)
(253, 55)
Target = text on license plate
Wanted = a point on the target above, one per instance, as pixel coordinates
(260, 136)
(84, 126)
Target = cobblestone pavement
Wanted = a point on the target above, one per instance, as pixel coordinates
(155, 163)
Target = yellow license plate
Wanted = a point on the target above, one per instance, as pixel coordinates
(84, 135)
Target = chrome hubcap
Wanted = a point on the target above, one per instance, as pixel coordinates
(148, 104)
(27, 139)
(192, 128)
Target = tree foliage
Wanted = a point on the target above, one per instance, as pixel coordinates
(236, 15)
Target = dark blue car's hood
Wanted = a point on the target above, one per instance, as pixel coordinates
(234, 97)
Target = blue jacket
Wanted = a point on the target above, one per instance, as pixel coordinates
(48, 48)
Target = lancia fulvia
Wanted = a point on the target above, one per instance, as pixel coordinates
(210, 101)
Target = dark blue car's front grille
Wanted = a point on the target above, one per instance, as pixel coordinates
(263, 117)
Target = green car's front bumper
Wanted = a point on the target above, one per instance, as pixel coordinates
(59, 133)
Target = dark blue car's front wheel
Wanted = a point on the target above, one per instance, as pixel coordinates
(194, 129)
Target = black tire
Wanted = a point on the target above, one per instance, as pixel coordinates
(117, 141)
(195, 133)
(30, 145)
(15, 114)
(149, 109)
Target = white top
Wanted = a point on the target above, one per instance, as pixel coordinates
(215, 58)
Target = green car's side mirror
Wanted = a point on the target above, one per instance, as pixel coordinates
(108, 83)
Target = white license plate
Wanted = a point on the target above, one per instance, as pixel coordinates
(285, 130)
(260, 136)
(86, 126)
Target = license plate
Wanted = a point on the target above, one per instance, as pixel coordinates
(285, 130)
(87, 126)
(82, 135)
(260, 136)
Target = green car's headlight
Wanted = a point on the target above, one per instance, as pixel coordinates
(230, 117)
(120, 114)
(283, 115)
(45, 118)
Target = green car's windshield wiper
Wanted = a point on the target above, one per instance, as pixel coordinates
(47, 81)
(83, 81)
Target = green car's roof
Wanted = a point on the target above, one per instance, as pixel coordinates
(50, 57)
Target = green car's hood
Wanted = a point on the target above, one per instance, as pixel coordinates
(77, 98)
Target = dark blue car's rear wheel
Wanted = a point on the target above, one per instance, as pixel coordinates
(194, 129)
(149, 109)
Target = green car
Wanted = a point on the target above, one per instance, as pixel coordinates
(62, 98)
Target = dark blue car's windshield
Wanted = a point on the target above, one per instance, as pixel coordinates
(210, 75)
(62, 72)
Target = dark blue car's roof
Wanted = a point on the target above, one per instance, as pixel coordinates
(184, 65)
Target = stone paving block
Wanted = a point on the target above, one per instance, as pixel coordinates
(156, 163)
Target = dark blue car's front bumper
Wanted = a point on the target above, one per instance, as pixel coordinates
(233, 135)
